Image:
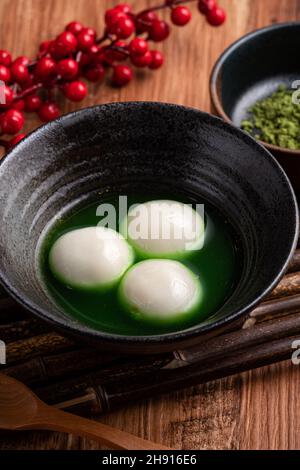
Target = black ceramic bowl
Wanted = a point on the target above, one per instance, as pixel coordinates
(251, 69)
(114, 147)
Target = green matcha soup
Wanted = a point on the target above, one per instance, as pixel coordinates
(212, 268)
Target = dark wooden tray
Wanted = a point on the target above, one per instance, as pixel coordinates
(73, 376)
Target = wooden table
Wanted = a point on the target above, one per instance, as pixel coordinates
(255, 410)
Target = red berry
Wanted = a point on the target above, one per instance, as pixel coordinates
(159, 30)
(142, 60)
(90, 31)
(5, 58)
(205, 6)
(14, 141)
(52, 49)
(121, 54)
(123, 28)
(180, 16)
(22, 60)
(45, 68)
(144, 21)
(100, 54)
(85, 41)
(118, 53)
(32, 103)
(124, 7)
(65, 44)
(44, 46)
(94, 56)
(112, 15)
(4, 73)
(6, 96)
(74, 27)
(12, 121)
(157, 60)
(122, 75)
(138, 46)
(67, 68)
(94, 73)
(19, 72)
(94, 49)
(84, 59)
(19, 105)
(48, 112)
(30, 82)
(216, 17)
(75, 91)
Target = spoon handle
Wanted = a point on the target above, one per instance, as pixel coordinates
(52, 419)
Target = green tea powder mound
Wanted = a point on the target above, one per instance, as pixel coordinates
(275, 120)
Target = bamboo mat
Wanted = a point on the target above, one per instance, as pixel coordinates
(84, 380)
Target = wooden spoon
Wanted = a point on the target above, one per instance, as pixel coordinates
(21, 409)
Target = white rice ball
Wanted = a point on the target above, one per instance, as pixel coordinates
(161, 291)
(90, 258)
(164, 229)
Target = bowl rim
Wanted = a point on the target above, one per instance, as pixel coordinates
(213, 80)
(78, 329)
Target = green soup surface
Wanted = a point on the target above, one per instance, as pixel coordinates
(217, 264)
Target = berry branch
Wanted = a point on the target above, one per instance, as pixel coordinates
(78, 53)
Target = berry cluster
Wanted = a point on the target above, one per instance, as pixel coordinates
(78, 53)
(215, 15)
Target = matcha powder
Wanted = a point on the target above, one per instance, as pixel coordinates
(275, 120)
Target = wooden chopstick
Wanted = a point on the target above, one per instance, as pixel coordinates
(239, 341)
(277, 307)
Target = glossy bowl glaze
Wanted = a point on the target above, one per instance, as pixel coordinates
(81, 156)
(251, 69)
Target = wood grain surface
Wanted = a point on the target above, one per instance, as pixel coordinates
(255, 410)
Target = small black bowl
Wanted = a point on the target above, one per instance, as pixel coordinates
(79, 157)
(251, 69)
